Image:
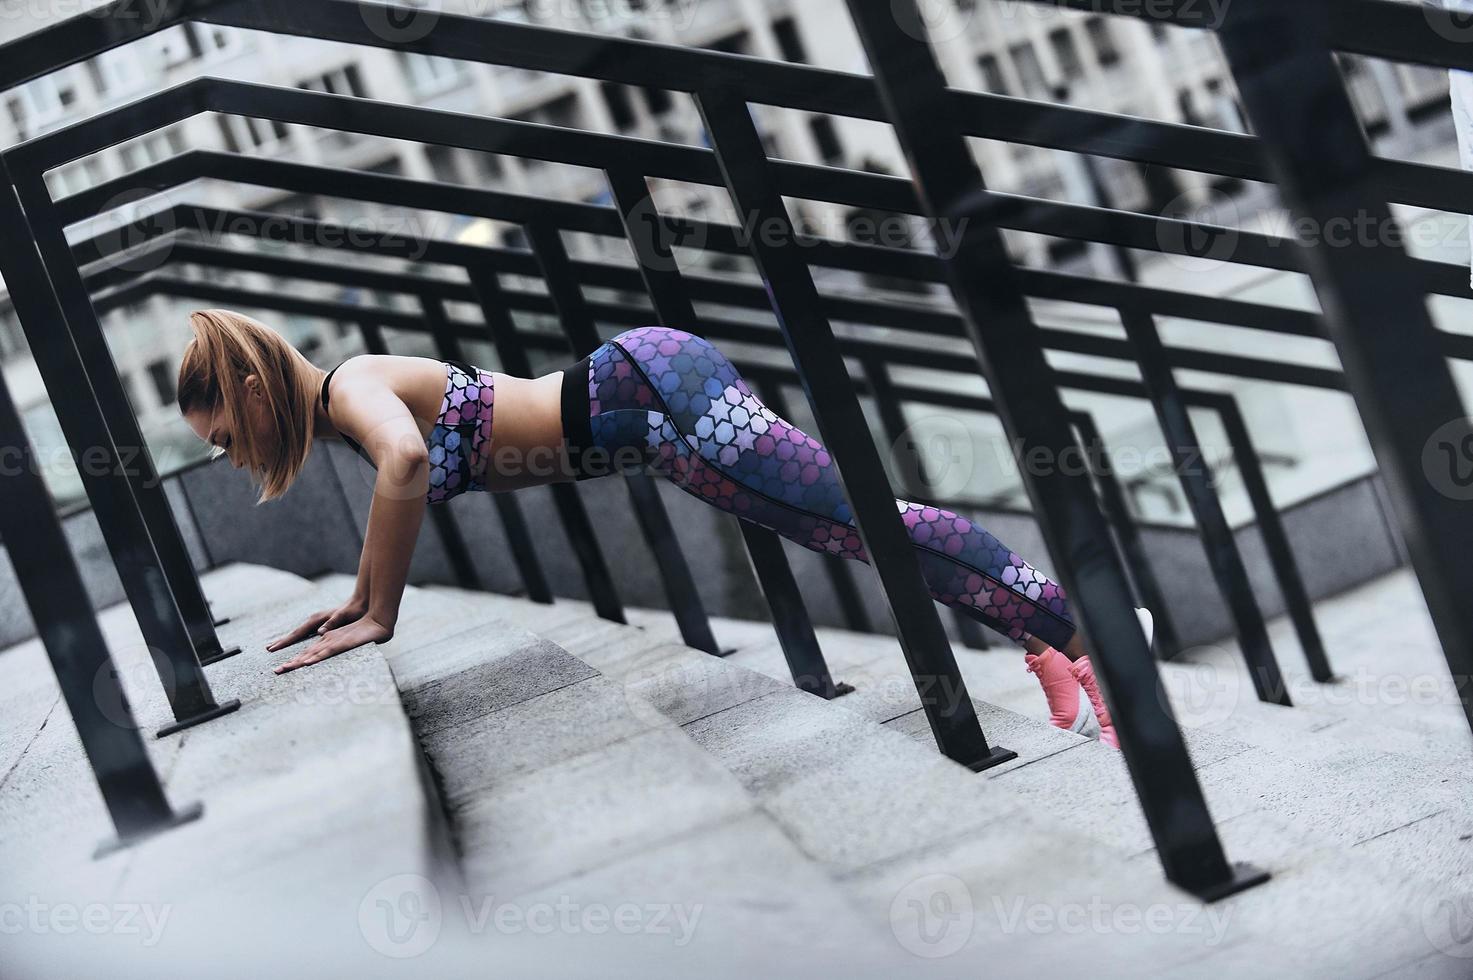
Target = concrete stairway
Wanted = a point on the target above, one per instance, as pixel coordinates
(533, 789)
(1358, 808)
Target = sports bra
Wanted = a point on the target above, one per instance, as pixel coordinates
(461, 433)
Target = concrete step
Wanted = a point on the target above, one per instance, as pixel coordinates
(563, 788)
(877, 811)
(313, 797)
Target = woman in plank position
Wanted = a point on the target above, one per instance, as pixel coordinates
(650, 397)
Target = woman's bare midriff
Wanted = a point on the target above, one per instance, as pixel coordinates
(526, 433)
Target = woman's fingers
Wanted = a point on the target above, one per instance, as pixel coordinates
(327, 645)
(301, 632)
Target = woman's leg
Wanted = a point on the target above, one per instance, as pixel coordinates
(676, 400)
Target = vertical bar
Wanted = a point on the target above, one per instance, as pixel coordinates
(56, 596)
(839, 570)
(1275, 540)
(446, 529)
(1132, 547)
(571, 513)
(84, 424)
(892, 420)
(810, 339)
(654, 521)
(984, 282)
(1223, 556)
(1399, 377)
(795, 633)
(172, 556)
(673, 307)
(518, 534)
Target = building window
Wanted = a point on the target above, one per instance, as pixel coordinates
(249, 133)
(1066, 54)
(442, 164)
(343, 81)
(621, 106)
(789, 41)
(163, 380)
(993, 79)
(428, 75)
(1097, 29)
(658, 100)
(1030, 72)
(826, 135)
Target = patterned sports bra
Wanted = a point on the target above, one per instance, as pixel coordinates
(460, 436)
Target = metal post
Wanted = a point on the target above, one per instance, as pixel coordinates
(983, 280)
(1399, 377)
(673, 307)
(57, 599)
(1196, 483)
(571, 513)
(518, 534)
(1128, 536)
(839, 571)
(446, 529)
(892, 420)
(1275, 540)
(659, 533)
(747, 174)
(83, 423)
(172, 556)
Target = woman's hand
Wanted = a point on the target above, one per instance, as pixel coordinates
(322, 621)
(363, 630)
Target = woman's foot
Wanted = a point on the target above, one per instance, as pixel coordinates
(1067, 710)
(1084, 675)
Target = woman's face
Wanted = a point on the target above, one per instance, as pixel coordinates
(213, 425)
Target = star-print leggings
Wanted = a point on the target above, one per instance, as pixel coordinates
(669, 400)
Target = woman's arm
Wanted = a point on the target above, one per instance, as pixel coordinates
(368, 410)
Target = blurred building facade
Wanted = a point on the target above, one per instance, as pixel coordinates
(1017, 49)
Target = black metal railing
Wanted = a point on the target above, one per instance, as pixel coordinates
(1400, 381)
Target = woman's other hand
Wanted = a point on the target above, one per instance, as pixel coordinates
(363, 630)
(322, 621)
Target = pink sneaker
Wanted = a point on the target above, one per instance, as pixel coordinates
(1067, 710)
(1084, 674)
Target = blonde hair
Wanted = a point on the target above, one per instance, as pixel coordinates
(226, 348)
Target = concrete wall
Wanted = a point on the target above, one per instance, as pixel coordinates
(1342, 538)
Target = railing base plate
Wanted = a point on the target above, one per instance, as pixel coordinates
(217, 711)
(222, 655)
(995, 756)
(841, 689)
(181, 816)
(1244, 876)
